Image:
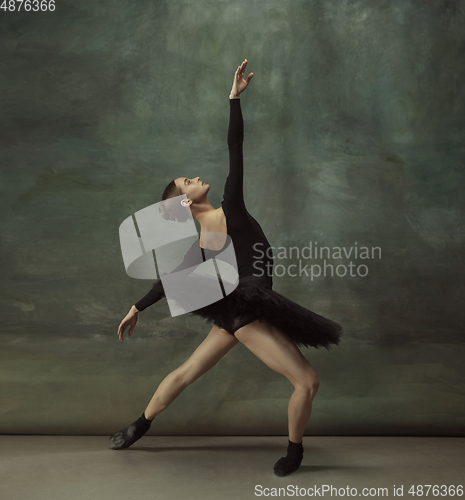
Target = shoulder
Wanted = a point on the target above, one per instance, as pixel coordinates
(231, 208)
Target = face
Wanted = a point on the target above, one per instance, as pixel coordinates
(193, 188)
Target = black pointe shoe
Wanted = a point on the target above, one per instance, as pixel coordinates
(283, 468)
(118, 441)
(291, 462)
(132, 433)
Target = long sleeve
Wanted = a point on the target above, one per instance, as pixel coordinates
(233, 196)
(234, 187)
(154, 295)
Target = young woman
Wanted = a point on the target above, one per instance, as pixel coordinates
(266, 322)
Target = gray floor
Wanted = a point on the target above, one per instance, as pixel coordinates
(197, 467)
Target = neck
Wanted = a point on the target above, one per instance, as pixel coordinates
(204, 213)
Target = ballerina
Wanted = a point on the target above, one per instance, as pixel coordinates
(269, 324)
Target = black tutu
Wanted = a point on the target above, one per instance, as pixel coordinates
(255, 299)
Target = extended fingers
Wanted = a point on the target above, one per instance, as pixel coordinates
(241, 68)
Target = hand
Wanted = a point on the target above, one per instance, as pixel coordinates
(239, 84)
(129, 320)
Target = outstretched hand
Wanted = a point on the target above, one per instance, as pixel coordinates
(239, 84)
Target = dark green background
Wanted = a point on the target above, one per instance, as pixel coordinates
(354, 124)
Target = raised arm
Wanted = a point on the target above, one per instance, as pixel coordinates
(234, 183)
(234, 187)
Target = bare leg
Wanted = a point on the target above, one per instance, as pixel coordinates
(281, 354)
(278, 352)
(217, 343)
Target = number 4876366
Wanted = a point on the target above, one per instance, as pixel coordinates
(28, 5)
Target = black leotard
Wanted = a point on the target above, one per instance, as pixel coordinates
(243, 229)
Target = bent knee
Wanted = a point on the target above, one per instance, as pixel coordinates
(309, 382)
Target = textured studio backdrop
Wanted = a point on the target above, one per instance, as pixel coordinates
(354, 126)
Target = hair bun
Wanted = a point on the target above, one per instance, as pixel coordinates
(172, 209)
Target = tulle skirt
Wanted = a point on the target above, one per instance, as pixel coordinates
(255, 299)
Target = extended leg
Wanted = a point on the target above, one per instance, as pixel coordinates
(217, 343)
(281, 354)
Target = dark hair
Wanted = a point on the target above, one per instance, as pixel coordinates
(171, 209)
